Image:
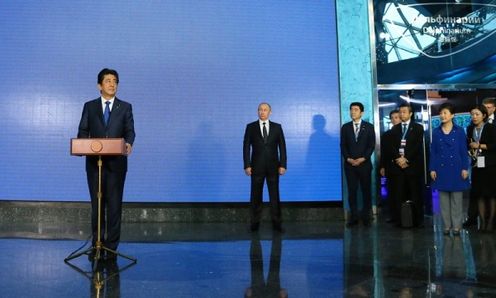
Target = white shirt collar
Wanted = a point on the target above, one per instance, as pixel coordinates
(261, 122)
(406, 122)
(105, 100)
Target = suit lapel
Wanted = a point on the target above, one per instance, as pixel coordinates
(269, 131)
(409, 130)
(99, 108)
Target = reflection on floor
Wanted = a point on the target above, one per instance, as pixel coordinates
(225, 260)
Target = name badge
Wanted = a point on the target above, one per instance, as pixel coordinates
(481, 162)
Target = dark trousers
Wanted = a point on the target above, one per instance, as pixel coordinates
(408, 188)
(259, 287)
(473, 207)
(256, 197)
(362, 176)
(392, 199)
(111, 209)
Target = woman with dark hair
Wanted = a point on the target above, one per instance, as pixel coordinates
(482, 145)
(448, 166)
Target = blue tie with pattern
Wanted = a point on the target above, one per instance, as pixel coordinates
(106, 113)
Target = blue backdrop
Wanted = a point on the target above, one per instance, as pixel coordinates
(194, 71)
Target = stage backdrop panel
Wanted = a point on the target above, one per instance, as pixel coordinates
(194, 71)
(435, 42)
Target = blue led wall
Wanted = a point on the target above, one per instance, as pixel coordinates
(194, 71)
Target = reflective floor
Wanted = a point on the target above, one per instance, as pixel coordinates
(225, 260)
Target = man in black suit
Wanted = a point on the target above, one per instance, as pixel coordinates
(107, 117)
(264, 156)
(357, 146)
(385, 165)
(407, 163)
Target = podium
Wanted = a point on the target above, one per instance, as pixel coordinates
(98, 147)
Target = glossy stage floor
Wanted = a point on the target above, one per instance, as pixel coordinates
(311, 259)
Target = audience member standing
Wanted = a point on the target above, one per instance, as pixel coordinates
(473, 212)
(482, 143)
(448, 167)
(385, 164)
(490, 104)
(408, 163)
(357, 146)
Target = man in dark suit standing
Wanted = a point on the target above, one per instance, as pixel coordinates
(357, 146)
(107, 117)
(264, 156)
(407, 163)
(385, 165)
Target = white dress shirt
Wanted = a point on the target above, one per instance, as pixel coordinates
(260, 122)
(110, 105)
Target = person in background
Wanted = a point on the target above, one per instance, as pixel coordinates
(448, 166)
(472, 213)
(357, 146)
(385, 164)
(481, 138)
(490, 104)
(408, 162)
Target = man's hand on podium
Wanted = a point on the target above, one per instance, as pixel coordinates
(129, 148)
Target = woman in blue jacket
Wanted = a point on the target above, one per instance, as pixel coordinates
(449, 163)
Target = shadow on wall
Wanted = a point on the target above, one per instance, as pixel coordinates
(320, 161)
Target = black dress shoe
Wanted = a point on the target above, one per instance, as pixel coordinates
(470, 223)
(254, 227)
(351, 223)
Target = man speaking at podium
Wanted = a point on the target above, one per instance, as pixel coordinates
(107, 117)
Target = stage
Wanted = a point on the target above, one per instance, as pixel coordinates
(311, 259)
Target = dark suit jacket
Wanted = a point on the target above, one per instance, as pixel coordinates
(413, 151)
(121, 125)
(363, 146)
(488, 138)
(264, 157)
(386, 151)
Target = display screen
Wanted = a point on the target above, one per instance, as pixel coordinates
(435, 42)
(194, 71)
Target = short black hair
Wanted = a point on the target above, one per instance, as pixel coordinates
(447, 106)
(357, 104)
(406, 105)
(107, 71)
(393, 112)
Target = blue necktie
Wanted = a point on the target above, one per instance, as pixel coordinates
(106, 113)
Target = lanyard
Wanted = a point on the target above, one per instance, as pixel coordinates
(478, 133)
